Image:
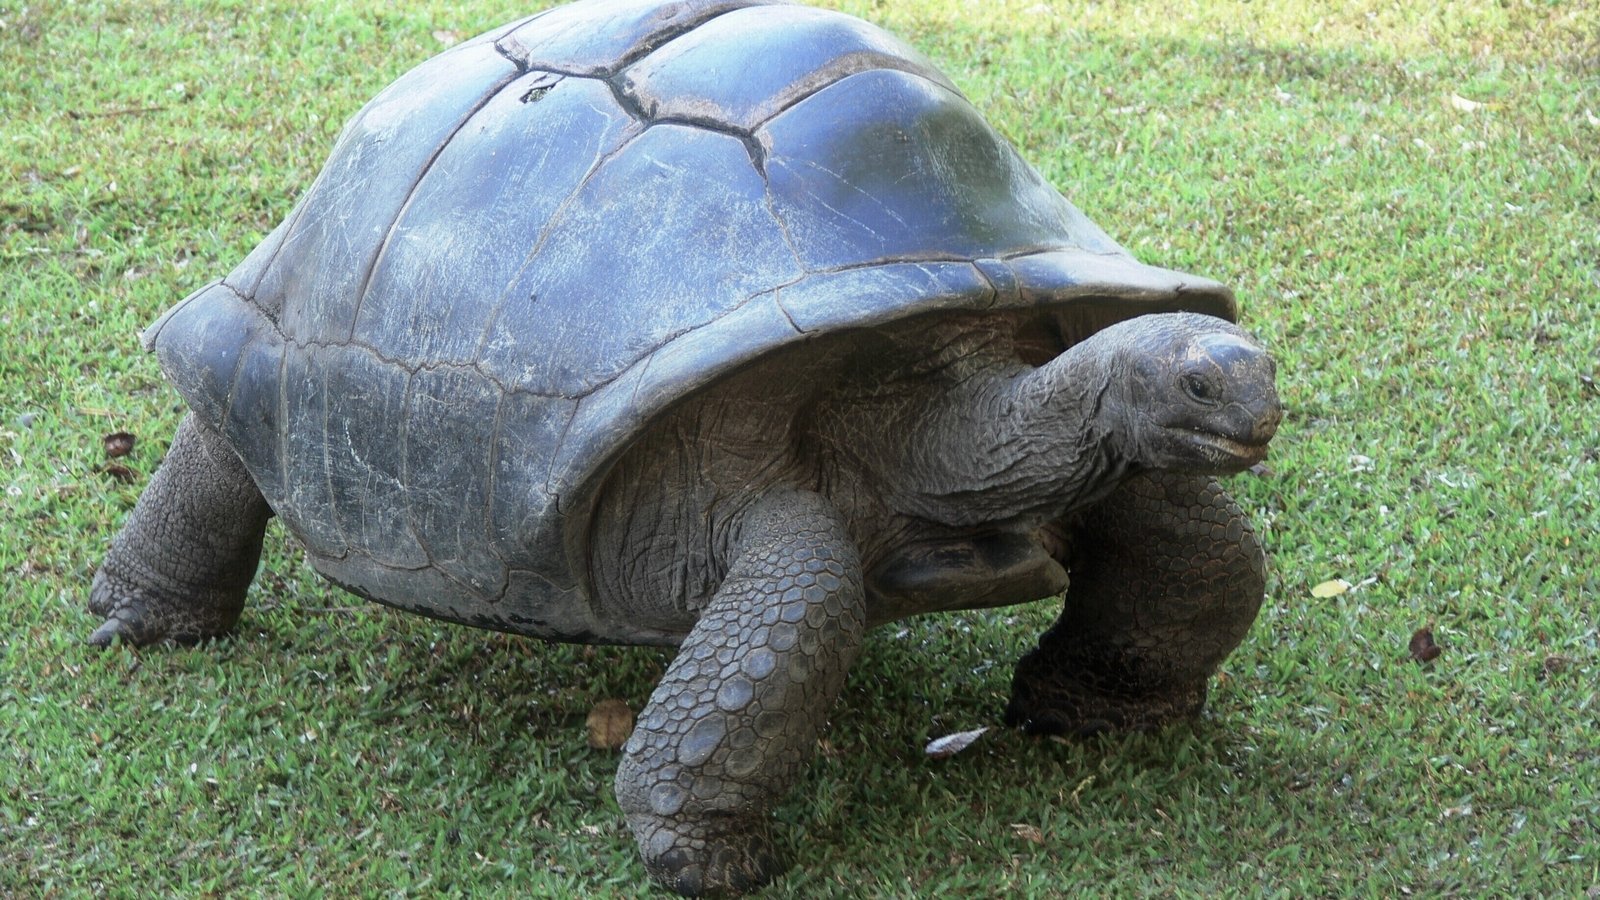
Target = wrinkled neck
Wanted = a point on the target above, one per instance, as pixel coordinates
(1017, 444)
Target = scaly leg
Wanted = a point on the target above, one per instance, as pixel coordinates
(737, 714)
(1166, 578)
(180, 566)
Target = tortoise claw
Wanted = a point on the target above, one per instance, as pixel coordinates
(107, 634)
(139, 616)
(722, 861)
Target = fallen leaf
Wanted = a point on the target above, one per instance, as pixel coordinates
(609, 724)
(1261, 470)
(951, 744)
(1027, 832)
(1423, 649)
(1333, 587)
(447, 38)
(120, 472)
(1463, 104)
(118, 443)
(1554, 665)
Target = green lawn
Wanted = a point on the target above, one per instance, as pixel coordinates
(1404, 195)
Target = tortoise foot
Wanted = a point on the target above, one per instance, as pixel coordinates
(725, 858)
(141, 615)
(1046, 700)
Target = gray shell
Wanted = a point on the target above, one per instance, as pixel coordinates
(527, 248)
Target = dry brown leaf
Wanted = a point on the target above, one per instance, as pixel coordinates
(951, 744)
(1333, 587)
(609, 724)
(118, 443)
(120, 472)
(1423, 649)
(1463, 104)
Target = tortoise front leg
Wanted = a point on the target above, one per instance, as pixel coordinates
(180, 566)
(1166, 578)
(737, 714)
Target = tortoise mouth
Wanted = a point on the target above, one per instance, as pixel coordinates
(1227, 451)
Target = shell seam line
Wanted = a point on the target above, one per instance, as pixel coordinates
(544, 233)
(383, 246)
(666, 36)
(909, 69)
(410, 369)
(292, 222)
(508, 30)
(404, 440)
(521, 65)
(492, 481)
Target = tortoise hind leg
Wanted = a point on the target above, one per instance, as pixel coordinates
(737, 714)
(1167, 577)
(179, 568)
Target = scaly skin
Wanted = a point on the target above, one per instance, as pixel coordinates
(734, 720)
(1167, 576)
(179, 568)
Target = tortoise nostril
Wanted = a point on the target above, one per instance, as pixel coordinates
(1267, 426)
(1268, 420)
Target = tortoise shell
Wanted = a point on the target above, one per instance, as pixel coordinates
(527, 249)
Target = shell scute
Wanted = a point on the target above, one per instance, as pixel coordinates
(366, 470)
(525, 525)
(319, 274)
(828, 301)
(444, 447)
(602, 36)
(479, 212)
(740, 69)
(638, 257)
(306, 505)
(886, 165)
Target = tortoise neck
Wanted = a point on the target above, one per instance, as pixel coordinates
(1018, 444)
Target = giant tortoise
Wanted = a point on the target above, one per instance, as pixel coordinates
(723, 325)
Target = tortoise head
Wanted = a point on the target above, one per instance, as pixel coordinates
(1198, 391)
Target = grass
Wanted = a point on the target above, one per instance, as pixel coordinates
(1403, 193)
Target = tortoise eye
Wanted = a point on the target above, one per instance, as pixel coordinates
(1199, 389)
